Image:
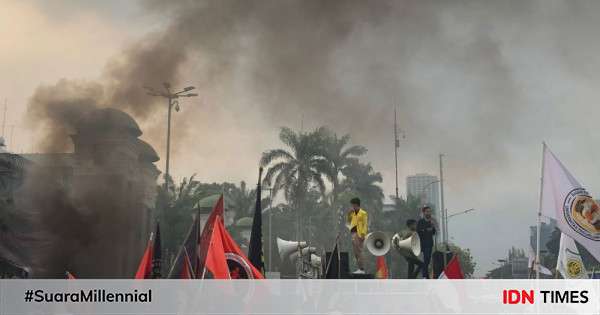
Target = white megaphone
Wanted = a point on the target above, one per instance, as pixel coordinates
(315, 261)
(287, 247)
(304, 252)
(409, 246)
(377, 243)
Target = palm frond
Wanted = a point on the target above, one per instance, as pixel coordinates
(275, 154)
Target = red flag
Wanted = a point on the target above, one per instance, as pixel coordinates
(206, 235)
(223, 258)
(452, 270)
(144, 270)
(382, 270)
(186, 269)
(70, 276)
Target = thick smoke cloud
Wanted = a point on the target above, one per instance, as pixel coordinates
(483, 82)
(338, 63)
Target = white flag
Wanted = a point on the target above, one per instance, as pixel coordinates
(563, 199)
(533, 265)
(569, 262)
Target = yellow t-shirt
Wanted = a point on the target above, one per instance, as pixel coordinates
(359, 221)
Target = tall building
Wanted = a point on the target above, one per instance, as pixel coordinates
(427, 188)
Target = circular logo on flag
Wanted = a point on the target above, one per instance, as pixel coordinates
(574, 268)
(238, 267)
(582, 213)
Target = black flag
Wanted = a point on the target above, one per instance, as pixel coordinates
(157, 255)
(255, 249)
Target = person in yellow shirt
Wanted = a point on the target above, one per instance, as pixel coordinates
(358, 220)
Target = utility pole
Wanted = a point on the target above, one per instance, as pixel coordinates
(396, 145)
(172, 101)
(4, 118)
(442, 207)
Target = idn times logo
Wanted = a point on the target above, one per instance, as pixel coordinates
(513, 296)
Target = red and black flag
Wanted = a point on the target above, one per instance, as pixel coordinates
(255, 249)
(186, 262)
(220, 257)
(145, 266)
(149, 266)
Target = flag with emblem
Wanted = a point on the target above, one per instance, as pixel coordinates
(220, 255)
(565, 200)
(569, 263)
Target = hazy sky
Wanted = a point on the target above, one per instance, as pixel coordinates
(485, 83)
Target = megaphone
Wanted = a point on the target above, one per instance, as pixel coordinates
(377, 243)
(410, 246)
(315, 261)
(304, 252)
(287, 247)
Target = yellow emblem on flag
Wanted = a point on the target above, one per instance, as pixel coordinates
(574, 268)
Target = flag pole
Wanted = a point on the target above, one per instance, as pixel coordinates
(539, 217)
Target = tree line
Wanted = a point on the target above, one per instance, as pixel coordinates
(312, 177)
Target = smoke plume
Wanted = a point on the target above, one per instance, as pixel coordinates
(459, 73)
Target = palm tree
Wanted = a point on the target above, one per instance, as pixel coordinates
(296, 170)
(362, 180)
(241, 199)
(340, 156)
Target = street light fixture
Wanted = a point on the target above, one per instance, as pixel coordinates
(425, 188)
(462, 212)
(172, 101)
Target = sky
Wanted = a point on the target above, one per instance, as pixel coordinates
(484, 83)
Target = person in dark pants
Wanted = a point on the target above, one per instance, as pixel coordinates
(415, 265)
(426, 227)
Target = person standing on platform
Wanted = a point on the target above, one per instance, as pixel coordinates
(426, 227)
(358, 221)
(412, 260)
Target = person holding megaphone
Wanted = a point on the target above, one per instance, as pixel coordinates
(415, 265)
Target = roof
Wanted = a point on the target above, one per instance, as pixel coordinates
(244, 222)
(109, 118)
(210, 201)
(147, 152)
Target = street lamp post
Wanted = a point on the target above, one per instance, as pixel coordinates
(172, 101)
(425, 188)
(457, 214)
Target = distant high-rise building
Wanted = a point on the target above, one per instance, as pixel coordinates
(425, 187)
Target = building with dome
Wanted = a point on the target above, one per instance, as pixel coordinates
(110, 179)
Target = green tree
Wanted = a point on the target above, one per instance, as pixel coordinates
(363, 181)
(174, 210)
(340, 156)
(298, 169)
(466, 260)
(241, 199)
